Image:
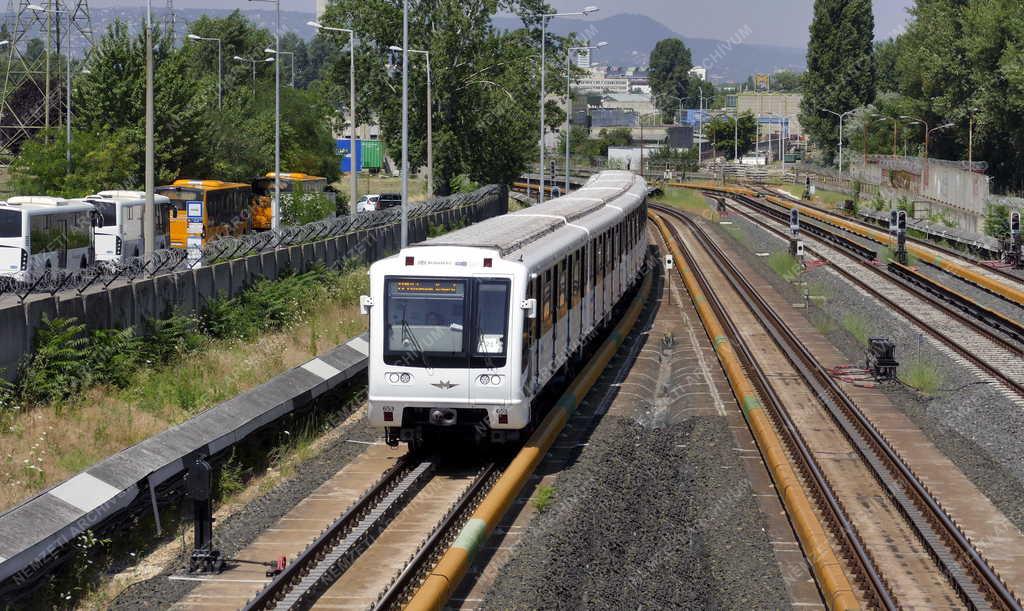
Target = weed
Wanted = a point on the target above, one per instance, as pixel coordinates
(232, 477)
(785, 265)
(544, 497)
(858, 327)
(921, 375)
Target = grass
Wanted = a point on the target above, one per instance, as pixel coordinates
(886, 253)
(785, 265)
(829, 199)
(384, 184)
(543, 498)
(48, 443)
(922, 376)
(688, 200)
(858, 327)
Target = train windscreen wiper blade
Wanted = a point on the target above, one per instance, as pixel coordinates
(408, 335)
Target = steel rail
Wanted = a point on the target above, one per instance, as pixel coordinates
(274, 591)
(798, 446)
(989, 368)
(978, 585)
(403, 585)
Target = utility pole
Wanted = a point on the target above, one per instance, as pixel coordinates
(149, 213)
(405, 123)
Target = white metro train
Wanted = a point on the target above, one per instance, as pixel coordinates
(467, 328)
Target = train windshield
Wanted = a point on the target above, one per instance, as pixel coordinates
(425, 321)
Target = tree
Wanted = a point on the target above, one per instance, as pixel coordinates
(840, 67)
(787, 81)
(668, 74)
(485, 85)
(723, 133)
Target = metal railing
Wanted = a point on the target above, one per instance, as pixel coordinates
(106, 273)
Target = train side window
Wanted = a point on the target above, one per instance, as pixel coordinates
(570, 281)
(563, 296)
(577, 278)
(547, 303)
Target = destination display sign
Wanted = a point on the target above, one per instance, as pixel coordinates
(424, 286)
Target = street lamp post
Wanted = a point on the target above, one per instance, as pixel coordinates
(291, 60)
(544, 18)
(67, 34)
(927, 142)
(220, 67)
(353, 183)
(970, 139)
(253, 62)
(275, 208)
(430, 119)
(841, 116)
(568, 106)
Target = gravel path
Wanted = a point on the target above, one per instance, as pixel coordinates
(656, 512)
(973, 424)
(645, 519)
(242, 527)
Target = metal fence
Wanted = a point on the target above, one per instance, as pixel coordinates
(105, 273)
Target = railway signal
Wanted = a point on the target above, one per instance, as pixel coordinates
(901, 236)
(794, 222)
(1016, 248)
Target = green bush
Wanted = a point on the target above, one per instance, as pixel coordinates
(59, 363)
(997, 221)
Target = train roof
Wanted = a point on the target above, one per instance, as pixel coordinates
(515, 231)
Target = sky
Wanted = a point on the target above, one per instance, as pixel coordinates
(778, 22)
(775, 22)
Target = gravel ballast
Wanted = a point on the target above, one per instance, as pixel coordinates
(655, 512)
(973, 424)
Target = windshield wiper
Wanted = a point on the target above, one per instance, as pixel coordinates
(410, 337)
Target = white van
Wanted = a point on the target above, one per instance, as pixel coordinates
(121, 236)
(39, 233)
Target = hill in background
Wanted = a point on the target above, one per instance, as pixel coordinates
(630, 38)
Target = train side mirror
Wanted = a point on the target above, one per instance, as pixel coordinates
(669, 262)
(530, 305)
(97, 220)
(365, 303)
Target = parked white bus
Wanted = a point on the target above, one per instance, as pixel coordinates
(39, 233)
(120, 236)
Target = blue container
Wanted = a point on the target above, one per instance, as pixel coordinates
(342, 149)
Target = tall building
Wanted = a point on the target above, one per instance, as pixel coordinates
(769, 106)
(700, 72)
(321, 6)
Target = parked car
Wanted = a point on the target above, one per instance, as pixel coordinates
(367, 203)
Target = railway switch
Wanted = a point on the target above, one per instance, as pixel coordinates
(199, 482)
(881, 358)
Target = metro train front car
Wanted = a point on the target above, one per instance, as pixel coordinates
(440, 356)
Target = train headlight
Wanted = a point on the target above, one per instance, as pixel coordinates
(495, 380)
(394, 378)
(405, 378)
(485, 379)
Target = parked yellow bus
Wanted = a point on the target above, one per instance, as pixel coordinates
(291, 182)
(203, 210)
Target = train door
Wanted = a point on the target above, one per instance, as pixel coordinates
(535, 334)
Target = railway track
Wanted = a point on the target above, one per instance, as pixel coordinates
(887, 580)
(355, 561)
(980, 346)
(993, 273)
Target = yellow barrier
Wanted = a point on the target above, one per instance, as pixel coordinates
(826, 566)
(442, 581)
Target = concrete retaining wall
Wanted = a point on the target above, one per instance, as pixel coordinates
(186, 292)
